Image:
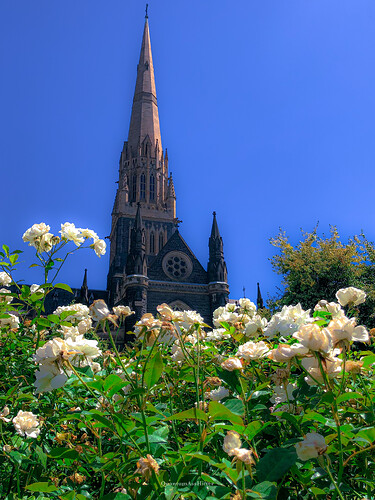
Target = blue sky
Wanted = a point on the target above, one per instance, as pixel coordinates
(267, 109)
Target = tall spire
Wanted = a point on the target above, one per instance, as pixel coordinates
(136, 260)
(217, 269)
(145, 116)
(260, 304)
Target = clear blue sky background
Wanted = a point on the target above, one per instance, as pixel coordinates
(267, 109)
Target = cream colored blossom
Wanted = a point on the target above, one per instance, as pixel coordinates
(346, 329)
(177, 354)
(71, 233)
(26, 424)
(312, 446)
(46, 242)
(286, 352)
(48, 377)
(99, 247)
(36, 289)
(35, 232)
(331, 367)
(4, 413)
(281, 394)
(11, 320)
(5, 279)
(232, 441)
(123, 311)
(287, 321)
(79, 312)
(243, 455)
(332, 307)
(5, 296)
(231, 364)
(252, 350)
(218, 394)
(84, 325)
(255, 325)
(314, 338)
(350, 295)
(145, 466)
(99, 310)
(88, 233)
(247, 307)
(216, 334)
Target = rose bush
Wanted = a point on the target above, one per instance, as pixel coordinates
(185, 410)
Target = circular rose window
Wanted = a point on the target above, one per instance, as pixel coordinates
(177, 265)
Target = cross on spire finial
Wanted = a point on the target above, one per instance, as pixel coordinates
(146, 16)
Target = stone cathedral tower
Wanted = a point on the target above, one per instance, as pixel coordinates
(150, 263)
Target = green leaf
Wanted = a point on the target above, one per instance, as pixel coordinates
(276, 463)
(154, 369)
(63, 287)
(63, 453)
(192, 414)
(235, 406)
(44, 322)
(218, 411)
(41, 456)
(349, 395)
(113, 384)
(42, 487)
(116, 496)
(252, 429)
(231, 378)
(264, 491)
(54, 318)
(6, 250)
(368, 360)
(368, 434)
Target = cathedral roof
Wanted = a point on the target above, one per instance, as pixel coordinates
(144, 119)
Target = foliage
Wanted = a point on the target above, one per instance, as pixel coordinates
(319, 266)
(250, 409)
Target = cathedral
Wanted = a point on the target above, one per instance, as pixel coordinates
(150, 262)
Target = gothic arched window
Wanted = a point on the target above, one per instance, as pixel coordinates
(152, 187)
(152, 243)
(161, 241)
(134, 185)
(143, 187)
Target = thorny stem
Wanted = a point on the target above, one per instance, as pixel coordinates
(338, 492)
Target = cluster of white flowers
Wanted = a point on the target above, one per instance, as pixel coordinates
(5, 296)
(56, 356)
(287, 321)
(39, 237)
(326, 341)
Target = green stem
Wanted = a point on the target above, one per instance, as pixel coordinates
(338, 492)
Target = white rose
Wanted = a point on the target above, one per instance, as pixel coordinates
(123, 311)
(331, 307)
(45, 242)
(5, 296)
(36, 289)
(79, 312)
(244, 455)
(285, 352)
(252, 350)
(26, 424)
(331, 367)
(89, 233)
(34, 232)
(314, 338)
(218, 394)
(346, 329)
(312, 446)
(84, 325)
(12, 321)
(350, 295)
(99, 310)
(5, 279)
(49, 377)
(247, 306)
(231, 364)
(254, 325)
(71, 233)
(99, 247)
(281, 395)
(232, 441)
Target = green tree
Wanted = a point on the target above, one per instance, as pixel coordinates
(319, 266)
